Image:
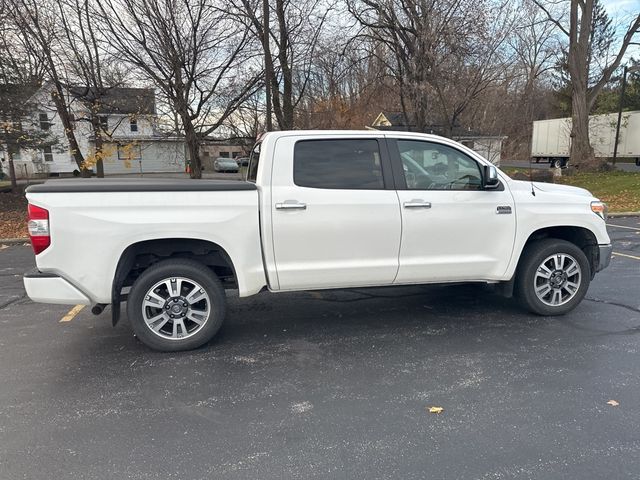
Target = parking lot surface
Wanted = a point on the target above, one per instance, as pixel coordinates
(332, 384)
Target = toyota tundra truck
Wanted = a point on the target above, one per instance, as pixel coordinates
(318, 210)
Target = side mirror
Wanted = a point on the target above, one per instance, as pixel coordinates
(490, 178)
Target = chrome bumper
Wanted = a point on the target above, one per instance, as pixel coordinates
(604, 256)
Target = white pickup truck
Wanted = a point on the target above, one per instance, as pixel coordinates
(319, 210)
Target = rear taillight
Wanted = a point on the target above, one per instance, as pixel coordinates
(39, 228)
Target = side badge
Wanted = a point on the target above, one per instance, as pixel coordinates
(503, 210)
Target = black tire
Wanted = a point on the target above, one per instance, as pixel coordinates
(531, 260)
(557, 163)
(187, 271)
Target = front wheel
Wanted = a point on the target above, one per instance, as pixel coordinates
(176, 304)
(553, 277)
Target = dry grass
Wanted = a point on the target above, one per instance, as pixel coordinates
(13, 215)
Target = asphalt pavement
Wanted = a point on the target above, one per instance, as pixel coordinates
(332, 384)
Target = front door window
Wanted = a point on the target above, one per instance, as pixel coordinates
(432, 166)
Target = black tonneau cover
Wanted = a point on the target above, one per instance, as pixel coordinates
(138, 185)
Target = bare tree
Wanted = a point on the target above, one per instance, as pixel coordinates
(584, 87)
(536, 47)
(441, 53)
(288, 49)
(92, 73)
(474, 62)
(37, 25)
(193, 51)
(348, 85)
(19, 64)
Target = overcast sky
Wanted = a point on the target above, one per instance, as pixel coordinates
(622, 11)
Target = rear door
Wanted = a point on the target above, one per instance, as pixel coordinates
(452, 228)
(335, 213)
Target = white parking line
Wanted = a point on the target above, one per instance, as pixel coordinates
(623, 226)
(625, 255)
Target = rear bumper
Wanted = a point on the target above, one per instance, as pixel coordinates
(51, 288)
(604, 256)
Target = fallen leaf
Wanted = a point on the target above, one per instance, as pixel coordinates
(435, 409)
(613, 403)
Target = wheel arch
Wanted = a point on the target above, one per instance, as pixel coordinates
(140, 255)
(580, 236)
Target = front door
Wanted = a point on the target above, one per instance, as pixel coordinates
(335, 213)
(452, 228)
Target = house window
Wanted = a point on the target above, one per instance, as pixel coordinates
(104, 122)
(129, 152)
(133, 124)
(44, 121)
(47, 154)
(224, 155)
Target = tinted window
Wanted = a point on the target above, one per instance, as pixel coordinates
(254, 158)
(338, 164)
(431, 166)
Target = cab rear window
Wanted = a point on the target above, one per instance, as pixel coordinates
(350, 164)
(254, 159)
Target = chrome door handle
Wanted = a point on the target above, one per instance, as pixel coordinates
(291, 206)
(417, 204)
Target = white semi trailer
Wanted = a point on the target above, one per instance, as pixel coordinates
(551, 140)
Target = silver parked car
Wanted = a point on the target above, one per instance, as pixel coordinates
(225, 165)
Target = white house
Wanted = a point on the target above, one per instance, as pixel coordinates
(132, 141)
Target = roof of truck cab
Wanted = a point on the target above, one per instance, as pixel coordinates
(356, 133)
(364, 132)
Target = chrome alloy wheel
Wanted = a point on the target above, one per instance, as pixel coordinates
(557, 279)
(176, 308)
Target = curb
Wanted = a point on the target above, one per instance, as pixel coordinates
(13, 241)
(623, 214)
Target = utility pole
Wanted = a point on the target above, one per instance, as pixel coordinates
(624, 85)
(635, 68)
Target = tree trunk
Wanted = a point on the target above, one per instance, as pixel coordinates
(12, 171)
(268, 64)
(581, 153)
(286, 119)
(98, 143)
(63, 113)
(193, 148)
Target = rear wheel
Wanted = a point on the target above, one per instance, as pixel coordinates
(176, 304)
(553, 277)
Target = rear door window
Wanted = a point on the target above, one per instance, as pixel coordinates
(350, 164)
